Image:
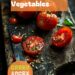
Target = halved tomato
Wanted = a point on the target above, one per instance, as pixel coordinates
(16, 38)
(33, 45)
(62, 37)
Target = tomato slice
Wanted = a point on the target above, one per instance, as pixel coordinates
(16, 38)
(62, 37)
(33, 45)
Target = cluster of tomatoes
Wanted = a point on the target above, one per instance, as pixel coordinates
(45, 21)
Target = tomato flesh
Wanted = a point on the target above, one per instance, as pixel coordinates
(62, 37)
(33, 45)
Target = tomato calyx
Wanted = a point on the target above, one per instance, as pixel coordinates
(62, 37)
(35, 46)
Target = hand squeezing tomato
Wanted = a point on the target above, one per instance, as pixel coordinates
(46, 21)
(33, 45)
(62, 37)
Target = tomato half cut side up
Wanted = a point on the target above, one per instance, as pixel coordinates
(62, 37)
(33, 45)
(16, 38)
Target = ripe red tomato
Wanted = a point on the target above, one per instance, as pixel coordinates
(62, 37)
(16, 38)
(12, 20)
(46, 21)
(33, 45)
(26, 15)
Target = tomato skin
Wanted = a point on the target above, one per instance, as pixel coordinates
(12, 20)
(26, 15)
(46, 21)
(16, 39)
(31, 52)
(66, 36)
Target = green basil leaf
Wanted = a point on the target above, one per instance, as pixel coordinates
(68, 22)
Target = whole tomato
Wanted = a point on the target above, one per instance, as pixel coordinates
(26, 15)
(16, 38)
(46, 21)
(12, 20)
(62, 37)
(33, 45)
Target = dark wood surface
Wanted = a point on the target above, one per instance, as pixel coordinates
(3, 63)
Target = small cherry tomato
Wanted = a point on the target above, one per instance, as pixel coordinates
(33, 45)
(16, 38)
(12, 20)
(62, 37)
(46, 21)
